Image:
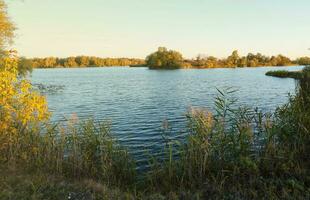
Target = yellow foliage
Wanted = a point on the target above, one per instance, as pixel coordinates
(6, 26)
(21, 108)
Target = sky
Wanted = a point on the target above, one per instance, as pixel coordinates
(135, 28)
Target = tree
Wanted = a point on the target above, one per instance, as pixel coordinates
(233, 60)
(24, 66)
(82, 61)
(303, 61)
(283, 61)
(242, 62)
(70, 62)
(164, 59)
(6, 27)
(252, 61)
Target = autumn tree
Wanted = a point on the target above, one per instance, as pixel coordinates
(83, 61)
(164, 59)
(233, 59)
(303, 61)
(70, 62)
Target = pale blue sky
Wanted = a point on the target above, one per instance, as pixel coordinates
(134, 28)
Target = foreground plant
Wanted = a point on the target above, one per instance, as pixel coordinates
(22, 110)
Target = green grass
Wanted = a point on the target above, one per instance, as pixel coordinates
(233, 153)
(19, 186)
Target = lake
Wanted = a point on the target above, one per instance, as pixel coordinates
(137, 100)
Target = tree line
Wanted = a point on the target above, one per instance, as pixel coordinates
(82, 61)
(250, 60)
(170, 59)
(164, 59)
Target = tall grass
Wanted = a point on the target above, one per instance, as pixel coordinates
(74, 150)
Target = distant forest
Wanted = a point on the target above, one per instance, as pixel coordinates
(82, 61)
(167, 59)
(250, 60)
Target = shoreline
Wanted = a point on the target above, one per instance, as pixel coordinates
(185, 68)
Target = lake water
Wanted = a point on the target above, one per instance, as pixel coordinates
(138, 100)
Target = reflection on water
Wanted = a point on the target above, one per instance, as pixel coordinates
(48, 89)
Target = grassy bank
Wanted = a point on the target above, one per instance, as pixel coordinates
(289, 74)
(284, 74)
(233, 153)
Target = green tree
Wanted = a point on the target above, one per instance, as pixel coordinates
(251, 60)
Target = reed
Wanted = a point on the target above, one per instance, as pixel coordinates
(76, 150)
